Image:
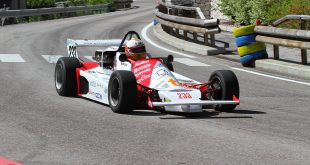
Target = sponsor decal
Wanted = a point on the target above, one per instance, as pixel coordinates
(91, 72)
(137, 70)
(98, 96)
(124, 63)
(96, 84)
(158, 65)
(184, 95)
(180, 90)
(142, 72)
(162, 72)
(186, 81)
(143, 77)
(173, 82)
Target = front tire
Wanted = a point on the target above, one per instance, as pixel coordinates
(65, 76)
(122, 91)
(225, 85)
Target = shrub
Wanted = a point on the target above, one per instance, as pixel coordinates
(246, 11)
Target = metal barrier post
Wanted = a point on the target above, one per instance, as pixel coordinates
(206, 38)
(177, 31)
(212, 40)
(303, 51)
(195, 37)
(276, 52)
(185, 35)
(2, 19)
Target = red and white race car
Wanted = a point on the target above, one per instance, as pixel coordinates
(151, 83)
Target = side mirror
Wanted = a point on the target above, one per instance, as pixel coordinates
(123, 58)
(170, 58)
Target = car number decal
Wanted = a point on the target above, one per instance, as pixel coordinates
(184, 95)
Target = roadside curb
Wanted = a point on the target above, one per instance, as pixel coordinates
(291, 69)
(227, 28)
(185, 45)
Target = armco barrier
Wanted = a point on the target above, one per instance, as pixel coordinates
(43, 11)
(286, 37)
(179, 21)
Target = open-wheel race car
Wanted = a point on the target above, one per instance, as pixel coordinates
(125, 84)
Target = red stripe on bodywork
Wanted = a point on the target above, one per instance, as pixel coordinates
(236, 99)
(4, 161)
(78, 85)
(89, 65)
(85, 66)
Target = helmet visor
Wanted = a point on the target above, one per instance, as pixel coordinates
(138, 49)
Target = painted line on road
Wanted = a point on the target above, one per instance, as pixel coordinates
(145, 36)
(273, 77)
(52, 59)
(11, 58)
(189, 62)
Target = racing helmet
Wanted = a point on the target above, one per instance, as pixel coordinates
(135, 49)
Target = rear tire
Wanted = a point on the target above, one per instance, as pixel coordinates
(225, 85)
(122, 91)
(65, 76)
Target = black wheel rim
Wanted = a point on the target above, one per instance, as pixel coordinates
(215, 89)
(58, 77)
(115, 92)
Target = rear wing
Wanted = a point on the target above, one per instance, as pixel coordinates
(73, 44)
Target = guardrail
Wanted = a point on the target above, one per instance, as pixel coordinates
(54, 10)
(175, 19)
(295, 38)
(44, 11)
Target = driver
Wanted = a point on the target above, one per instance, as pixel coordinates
(135, 49)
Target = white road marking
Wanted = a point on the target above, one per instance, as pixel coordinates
(52, 59)
(11, 58)
(90, 58)
(273, 77)
(144, 35)
(189, 62)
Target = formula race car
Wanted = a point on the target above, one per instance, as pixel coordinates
(125, 85)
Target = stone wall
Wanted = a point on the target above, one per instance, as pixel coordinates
(205, 6)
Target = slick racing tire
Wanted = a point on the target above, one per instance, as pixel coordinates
(244, 30)
(224, 85)
(65, 76)
(245, 40)
(251, 48)
(122, 91)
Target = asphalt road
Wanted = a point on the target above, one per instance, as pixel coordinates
(38, 127)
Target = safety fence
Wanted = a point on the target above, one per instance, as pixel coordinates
(295, 38)
(117, 4)
(188, 23)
